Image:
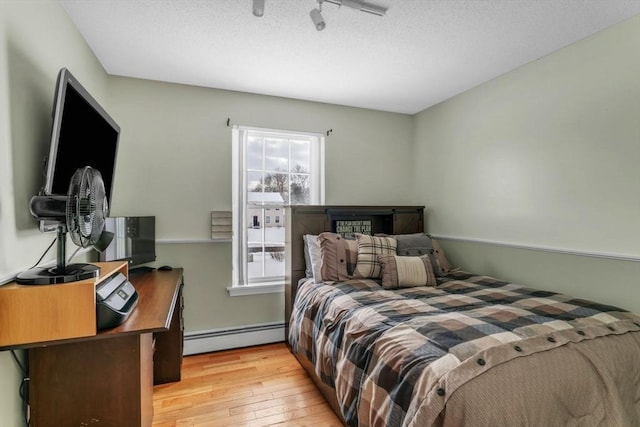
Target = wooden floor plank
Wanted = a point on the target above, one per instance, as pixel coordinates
(253, 387)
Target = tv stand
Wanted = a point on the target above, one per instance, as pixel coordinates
(108, 378)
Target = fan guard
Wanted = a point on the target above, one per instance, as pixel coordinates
(81, 213)
(86, 207)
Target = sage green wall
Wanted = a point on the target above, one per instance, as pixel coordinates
(174, 162)
(175, 155)
(36, 40)
(546, 156)
(609, 281)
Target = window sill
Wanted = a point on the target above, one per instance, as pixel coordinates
(266, 288)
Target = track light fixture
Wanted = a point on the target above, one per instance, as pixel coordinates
(258, 8)
(360, 5)
(316, 17)
(316, 13)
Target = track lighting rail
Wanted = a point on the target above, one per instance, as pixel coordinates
(316, 13)
(360, 5)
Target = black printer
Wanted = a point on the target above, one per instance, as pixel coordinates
(115, 300)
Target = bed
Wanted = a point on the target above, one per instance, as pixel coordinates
(462, 349)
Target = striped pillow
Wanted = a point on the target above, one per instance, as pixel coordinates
(369, 249)
(416, 244)
(406, 271)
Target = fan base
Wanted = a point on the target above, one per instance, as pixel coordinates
(54, 275)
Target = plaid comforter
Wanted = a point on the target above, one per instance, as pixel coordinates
(394, 357)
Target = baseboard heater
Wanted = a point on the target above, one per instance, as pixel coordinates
(233, 337)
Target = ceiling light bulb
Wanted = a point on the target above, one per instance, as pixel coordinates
(317, 19)
(258, 8)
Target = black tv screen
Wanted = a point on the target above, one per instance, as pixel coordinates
(134, 240)
(82, 134)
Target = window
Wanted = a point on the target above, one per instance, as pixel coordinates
(272, 169)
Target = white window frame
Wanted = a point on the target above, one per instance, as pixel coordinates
(240, 285)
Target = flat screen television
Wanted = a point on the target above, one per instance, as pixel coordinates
(82, 134)
(134, 240)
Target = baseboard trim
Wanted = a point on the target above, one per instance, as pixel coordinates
(234, 337)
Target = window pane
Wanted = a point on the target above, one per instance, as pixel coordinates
(255, 259)
(255, 187)
(265, 244)
(277, 184)
(300, 156)
(254, 222)
(274, 244)
(276, 153)
(300, 189)
(254, 153)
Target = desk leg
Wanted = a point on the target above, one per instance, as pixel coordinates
(107, 381)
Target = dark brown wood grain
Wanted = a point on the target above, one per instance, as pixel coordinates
(108, 379)
(92, 382)
(157, 297)
(167, 358)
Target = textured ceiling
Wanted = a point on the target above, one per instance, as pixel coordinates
(422, 52)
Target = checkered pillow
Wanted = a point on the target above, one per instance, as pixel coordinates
(369, 248)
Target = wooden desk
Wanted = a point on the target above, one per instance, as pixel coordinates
(107, 379)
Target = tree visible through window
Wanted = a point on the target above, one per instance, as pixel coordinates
(273, 169)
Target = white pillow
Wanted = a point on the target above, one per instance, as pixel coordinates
(308, 271)
(312, 245)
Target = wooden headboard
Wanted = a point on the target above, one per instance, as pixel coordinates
(301, 220)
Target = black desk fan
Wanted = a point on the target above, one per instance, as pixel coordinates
(81, 213)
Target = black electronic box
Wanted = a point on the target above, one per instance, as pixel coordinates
(115, 300)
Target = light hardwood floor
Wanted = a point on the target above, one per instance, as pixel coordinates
(255, 386)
